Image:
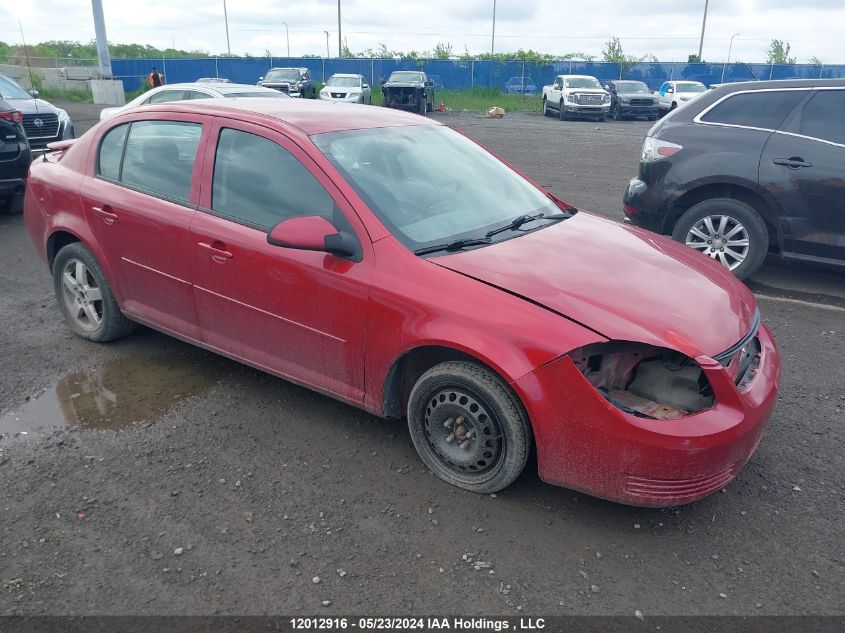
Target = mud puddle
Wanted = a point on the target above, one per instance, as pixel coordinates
(120, 393)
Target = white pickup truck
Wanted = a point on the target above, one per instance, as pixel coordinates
(674, 94)
(576, 96)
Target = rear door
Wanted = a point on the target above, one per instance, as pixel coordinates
(139, 203)
(804, 165)
(300, 314)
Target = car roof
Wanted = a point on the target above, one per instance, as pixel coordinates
(310, 117)
(782, 83)
(287, 68)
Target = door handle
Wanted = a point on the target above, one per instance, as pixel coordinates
(217, 249)
(794, 162)
(105, 212)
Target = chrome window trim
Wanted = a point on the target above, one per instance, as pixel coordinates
(697, 118)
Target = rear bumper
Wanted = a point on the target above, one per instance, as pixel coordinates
(646, 206)
(585, 443)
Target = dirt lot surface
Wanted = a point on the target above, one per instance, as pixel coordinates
(178, 482)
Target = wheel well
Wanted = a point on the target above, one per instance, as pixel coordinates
(724, 190)
(56, 242)
(407, 369)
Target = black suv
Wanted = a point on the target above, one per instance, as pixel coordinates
(15, 158)
(296, 82)
(748, 169)
(631, 99)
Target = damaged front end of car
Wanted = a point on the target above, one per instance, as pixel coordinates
(644, 380)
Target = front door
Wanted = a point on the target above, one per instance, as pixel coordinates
(300, 314)
(139, 204)
(804, 165)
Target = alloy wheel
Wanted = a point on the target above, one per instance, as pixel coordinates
(83, 297)
(721, 237)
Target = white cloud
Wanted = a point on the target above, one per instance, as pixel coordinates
(668, 29)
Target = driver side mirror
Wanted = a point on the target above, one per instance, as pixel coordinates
(670, 91)
(261, 78)
(365, 86)
(429, 82)
(315, 233)
(34, 92)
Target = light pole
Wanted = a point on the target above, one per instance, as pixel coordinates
(703, 26)
(339, 46)
(730, 46)
(327, 44)
(493, 38)
(287, 37)
(226, 20)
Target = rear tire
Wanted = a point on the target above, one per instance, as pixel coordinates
(423, 108)
(704, 221)
(489, 431)
(85, 298)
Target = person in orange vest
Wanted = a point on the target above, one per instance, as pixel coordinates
(156, 78)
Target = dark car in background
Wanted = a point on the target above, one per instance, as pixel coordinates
(296, 82)
(408, 90)
(746, 170)
(630, 99)
(520, 86)
(42, 121)
(15, 158)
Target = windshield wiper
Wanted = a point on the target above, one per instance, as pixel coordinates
(454, 246)
(518, 221)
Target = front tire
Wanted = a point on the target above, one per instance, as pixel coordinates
(727, 230)
(561, 111)
(468, 427)
(84, 296)
(545, 107)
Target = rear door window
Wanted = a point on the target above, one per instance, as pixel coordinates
(822, 118)
(259, 183)
(159, 158)
(111, 152)
(761, 109)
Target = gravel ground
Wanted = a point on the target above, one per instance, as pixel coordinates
(235, 492)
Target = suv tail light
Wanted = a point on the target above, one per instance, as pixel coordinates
(14, 116)
(655, 149)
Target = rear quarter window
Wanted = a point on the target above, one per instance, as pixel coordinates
(765, 110)
(822, 117)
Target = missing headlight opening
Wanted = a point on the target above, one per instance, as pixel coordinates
(643, 380)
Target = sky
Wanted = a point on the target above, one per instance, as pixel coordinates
(668, 29)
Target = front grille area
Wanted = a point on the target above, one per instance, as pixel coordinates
(42, 125)
(668, 489)
(338, 95)
(590, 99)
(642, 102)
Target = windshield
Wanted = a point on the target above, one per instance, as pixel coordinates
(408, 77)
(583, 82)
(690, 87)
(344, 82)
(631, 86)
(10, 90)
(284, 74)
(429, 184)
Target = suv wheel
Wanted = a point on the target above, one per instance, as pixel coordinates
(545, 106)
(727, 230)
(561, 110)
(468, 427)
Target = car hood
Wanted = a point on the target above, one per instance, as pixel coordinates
(623, 282)
(636, 95)
(32, 106)
(587, 91)
(401, 84)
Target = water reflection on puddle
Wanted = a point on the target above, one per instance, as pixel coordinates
(120, 393)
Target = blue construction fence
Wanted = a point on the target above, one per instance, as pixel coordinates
(513, 76)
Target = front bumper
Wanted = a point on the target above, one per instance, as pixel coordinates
(587, 444)
(586, 110)
(347, 99)
(638, 110)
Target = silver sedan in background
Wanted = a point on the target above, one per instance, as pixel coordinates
(347, 89)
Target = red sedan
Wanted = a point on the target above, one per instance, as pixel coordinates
(387, 261)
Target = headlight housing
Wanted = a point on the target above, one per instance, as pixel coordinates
(644, 380)
(605, 98)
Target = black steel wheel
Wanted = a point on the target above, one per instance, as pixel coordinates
(468, 427)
